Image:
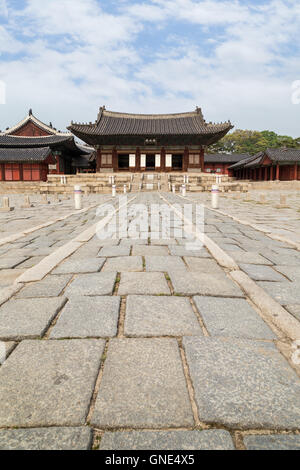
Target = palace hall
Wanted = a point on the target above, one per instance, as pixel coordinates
(141, 142)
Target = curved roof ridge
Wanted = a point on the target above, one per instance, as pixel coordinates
(150, 116)
(59, 134)
(37, 122)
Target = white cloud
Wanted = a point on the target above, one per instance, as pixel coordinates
(3, 9)
(77, 55)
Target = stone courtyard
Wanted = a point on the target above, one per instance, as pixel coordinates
(150, 340)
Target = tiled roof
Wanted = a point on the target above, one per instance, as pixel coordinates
(225, 157)
(283, 155)
(55, 142)
(31, 118)
(86, 150)
(120, 124)
(16, 141)
(275, 155)
(24, 155)
(256, 160)
(242, 163)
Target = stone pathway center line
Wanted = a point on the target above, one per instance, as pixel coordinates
(39, 271)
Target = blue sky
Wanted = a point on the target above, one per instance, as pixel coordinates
(235, 59)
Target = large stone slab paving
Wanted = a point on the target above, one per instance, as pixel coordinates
(228, 228)
(143, 385)
(221, 239)
(51, 286)
(160, 316)
(167, 440)
(250, 258)
(43, 251)
(31, 262)
(28, 318)
(111, 251)
(243, 384)
(231, 247)
(49, 383)
(232, 318)
(143, 284)
(163, 242)
(292, 272)
(164, 263)
(14, 252)
(150, 250)
(204, 265)
(282, 259)
(133, 242)
(284, 292)
(187, 250)
(272, 442)
(86, 251)
(11, 263)
(46, 439)
(88, 265)
(258, 272)
(5, 349)
(294, 309)
(8, 276)
(124, 264)
(193, 283)
(88, 317)
(92, 284)
(108, 242)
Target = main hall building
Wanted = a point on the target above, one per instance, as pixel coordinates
(139, 142)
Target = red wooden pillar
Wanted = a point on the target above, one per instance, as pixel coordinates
(260, 173)
(138, 160)
(186, 157)
(277, 172)
(266, 174)
(98, 161)
(115, 163)
(271, 173)
(21, 171)
(296, 171)
(202, 160)
(163, 159)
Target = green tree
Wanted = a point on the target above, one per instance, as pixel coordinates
(252, 142)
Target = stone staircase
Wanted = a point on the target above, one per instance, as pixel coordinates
(90, 183)
(203, 182)
(101, 183)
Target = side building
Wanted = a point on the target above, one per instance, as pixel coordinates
(270, 165)
(31, 150)
(141, 142)
(220, 163)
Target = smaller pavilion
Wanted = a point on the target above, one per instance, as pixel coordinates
(31, 150)
(281, 164)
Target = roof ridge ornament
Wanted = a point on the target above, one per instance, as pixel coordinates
(30, 112)
(101, 110)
